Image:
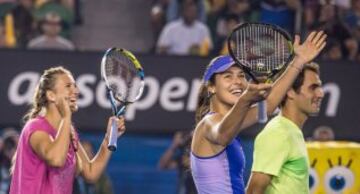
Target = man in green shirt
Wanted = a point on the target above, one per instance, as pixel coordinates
(280, 163)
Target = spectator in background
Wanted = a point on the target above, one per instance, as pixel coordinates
(332, 50)
(158, 18)
(185, 36)
(24, 22)
(102, 186)
(56, 6)
(352, 19)
(10, 132)
(173, 10)
(177, 157)
(50, 39)
(280, 12)
(231, 21)
(234, 8)
(323, 133)
(329, 20)
(218, 18)
(310, 9)
(10, 139)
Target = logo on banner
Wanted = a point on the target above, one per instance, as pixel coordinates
(174, 95)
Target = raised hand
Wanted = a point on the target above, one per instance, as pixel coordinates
(257, 92)
(63, 107)
(120, 123)
(310, 48)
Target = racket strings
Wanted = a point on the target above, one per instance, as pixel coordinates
(121, 65)
(260, 48)
(123, 77)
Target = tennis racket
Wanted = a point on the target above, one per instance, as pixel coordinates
(262, 50)
(124, 80)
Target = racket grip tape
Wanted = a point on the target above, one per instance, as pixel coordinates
(113, 136)
(262, 112)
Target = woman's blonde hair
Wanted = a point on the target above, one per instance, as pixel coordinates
(47, 82)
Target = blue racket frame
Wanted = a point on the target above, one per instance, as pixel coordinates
(119, 110)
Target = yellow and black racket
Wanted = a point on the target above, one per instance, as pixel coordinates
(262, 50)
(124, 79)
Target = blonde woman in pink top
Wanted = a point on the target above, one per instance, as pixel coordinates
(49, 155)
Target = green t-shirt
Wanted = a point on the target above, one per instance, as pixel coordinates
(280, 151)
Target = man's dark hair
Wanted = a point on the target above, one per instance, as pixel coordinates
(300, 78)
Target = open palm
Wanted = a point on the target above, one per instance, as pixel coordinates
(311, 47)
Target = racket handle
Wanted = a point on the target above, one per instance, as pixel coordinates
(262, 112)
(113, 136)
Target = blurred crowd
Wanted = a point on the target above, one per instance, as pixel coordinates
(188, 27)
(200, 27)
(38, 24)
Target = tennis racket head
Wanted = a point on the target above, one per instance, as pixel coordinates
(124, 80)
(261, 49)
(123, 75)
